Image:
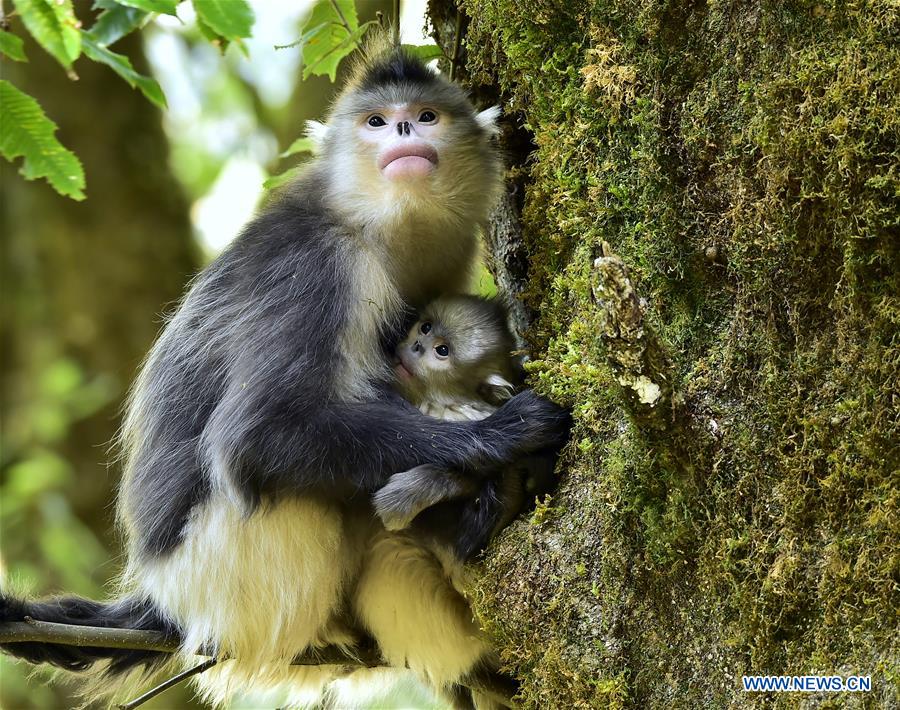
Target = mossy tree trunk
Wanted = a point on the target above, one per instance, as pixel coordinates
(736, 510)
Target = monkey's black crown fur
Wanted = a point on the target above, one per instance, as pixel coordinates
(398, 66)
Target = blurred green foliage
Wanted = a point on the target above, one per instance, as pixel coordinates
(36, 476)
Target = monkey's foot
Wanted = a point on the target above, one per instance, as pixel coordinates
(397, 505)
(408, 493)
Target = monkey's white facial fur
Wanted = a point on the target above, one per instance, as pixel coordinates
(403, 138)
(411, 153)
(458, 351)
(403, 142)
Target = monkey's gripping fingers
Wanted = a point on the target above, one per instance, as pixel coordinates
(527, 423)
(538, 472)
(409, 493)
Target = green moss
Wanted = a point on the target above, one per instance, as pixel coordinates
(770, 132)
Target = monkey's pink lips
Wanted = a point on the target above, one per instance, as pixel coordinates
(408, 160)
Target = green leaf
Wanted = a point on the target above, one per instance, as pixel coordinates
(301, 145)
(208, 32)
(25, 130)
(121, 65)
(52, 23)
(343, 11)
(165, 7)
(229, 19)
(282, 178)
(327, 63)
(425, 52)
(330, 33)
(115, 23)
(12, 47)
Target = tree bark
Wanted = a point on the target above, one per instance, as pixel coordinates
(708, 247)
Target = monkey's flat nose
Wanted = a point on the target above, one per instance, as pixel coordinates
(416, 347)
(403, 128)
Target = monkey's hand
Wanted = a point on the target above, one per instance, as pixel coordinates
(529, 420)
(538, 473)
(409, 493)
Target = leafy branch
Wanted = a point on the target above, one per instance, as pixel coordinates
(25, 129)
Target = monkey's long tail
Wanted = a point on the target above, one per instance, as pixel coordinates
(126, 613)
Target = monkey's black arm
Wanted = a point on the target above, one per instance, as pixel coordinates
(342, 449)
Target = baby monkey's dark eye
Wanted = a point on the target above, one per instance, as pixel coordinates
(425, 329)
(442, 350)
(376, 121)
(427, 117)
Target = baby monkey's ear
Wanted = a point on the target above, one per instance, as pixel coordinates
(496, 389)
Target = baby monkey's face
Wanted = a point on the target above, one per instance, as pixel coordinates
(428, 361)
(459, 346)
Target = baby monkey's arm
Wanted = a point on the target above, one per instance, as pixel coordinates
(409, 493)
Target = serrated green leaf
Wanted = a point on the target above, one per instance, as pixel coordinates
(115, 23)
(26, 131)
(425, 52)
(12, 46)
(301, 145)
(229, 19)
(330, 33)
(165, 7)
(282, 178)
(53, 25)
(121, 65)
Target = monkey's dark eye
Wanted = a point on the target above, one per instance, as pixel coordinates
(376, 121)
(425, 329)
(427, 117)
(442, 350)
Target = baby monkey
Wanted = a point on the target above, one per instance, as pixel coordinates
(457, 364)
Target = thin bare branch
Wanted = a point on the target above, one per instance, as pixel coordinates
(396, 22)
(174, 680)
(131, 639)
(72, 635)
(457, 42)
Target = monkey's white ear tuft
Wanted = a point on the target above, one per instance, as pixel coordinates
(487, 119)
(317, 132)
